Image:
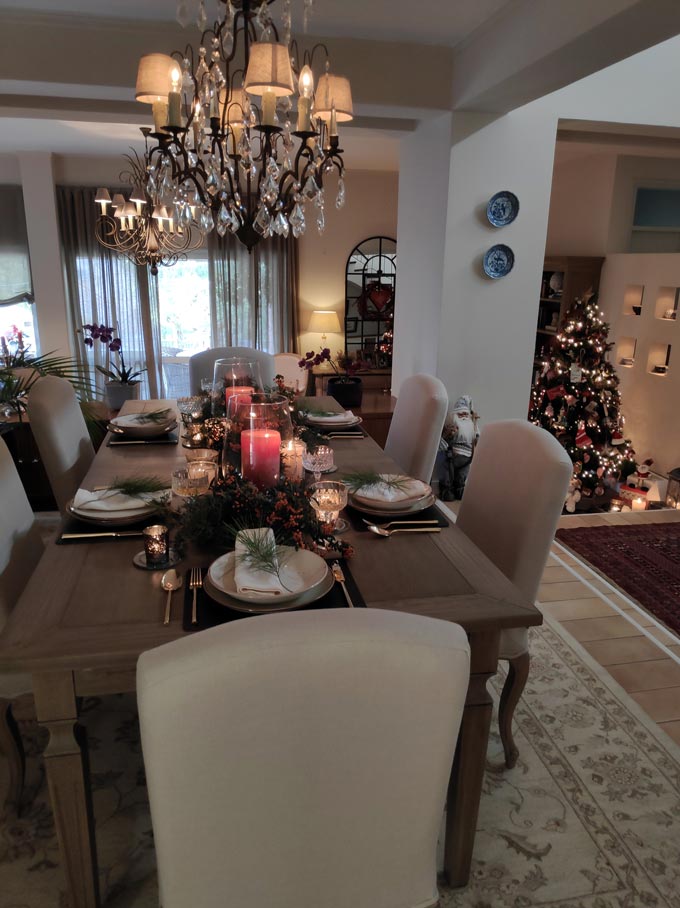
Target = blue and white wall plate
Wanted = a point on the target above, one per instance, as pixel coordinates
(498, 261)
(502, 209)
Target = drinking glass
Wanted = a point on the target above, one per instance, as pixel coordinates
(328, 499)
(319, 461)
(234, 376)
(261, 427)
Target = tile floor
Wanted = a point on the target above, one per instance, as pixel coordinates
(637, 650)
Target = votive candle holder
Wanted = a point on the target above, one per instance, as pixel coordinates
(156, 545)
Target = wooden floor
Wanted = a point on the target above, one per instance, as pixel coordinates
(635, 648)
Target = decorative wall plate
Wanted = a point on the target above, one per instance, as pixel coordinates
(502, 209)
(498, 261)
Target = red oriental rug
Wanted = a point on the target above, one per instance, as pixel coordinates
(643, 560)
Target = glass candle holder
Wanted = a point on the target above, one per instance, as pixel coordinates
(192, 454)
(320, 461)
(156, 544)
(328, 499)
(201, 474)
(234, 377)
(192, 410)
(261, 428)
(292, 453)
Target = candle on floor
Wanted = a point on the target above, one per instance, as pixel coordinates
(261, 456)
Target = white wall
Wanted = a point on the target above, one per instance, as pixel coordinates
(370, 210)
(580, 205)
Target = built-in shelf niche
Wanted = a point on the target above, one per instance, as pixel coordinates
(658, 360)
(625, 351)
(667, 303)
(632, 299)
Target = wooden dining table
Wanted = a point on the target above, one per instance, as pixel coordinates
(87, 614)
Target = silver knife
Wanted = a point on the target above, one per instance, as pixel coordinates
(101, 535)
(339, 577)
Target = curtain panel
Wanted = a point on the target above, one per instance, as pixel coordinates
(253, 296)
(104, 287)
(16, 284)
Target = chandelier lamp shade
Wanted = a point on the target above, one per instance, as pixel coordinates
(241, 141)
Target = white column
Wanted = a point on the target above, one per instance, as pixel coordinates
(40, 205)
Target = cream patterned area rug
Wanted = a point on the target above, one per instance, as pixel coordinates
(589, 818)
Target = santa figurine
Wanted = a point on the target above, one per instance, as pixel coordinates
(459, 437)
(640, 478)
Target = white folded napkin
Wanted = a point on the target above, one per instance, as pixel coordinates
(336, 417)
(380, 491)
(250, 579)
(105, 500)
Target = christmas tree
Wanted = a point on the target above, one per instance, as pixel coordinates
(576, 398)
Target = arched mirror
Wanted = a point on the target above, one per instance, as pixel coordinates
(370, 284)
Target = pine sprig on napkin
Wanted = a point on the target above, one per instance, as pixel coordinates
(137, 486)
(155, 416)
(361, 478)
(261, 551)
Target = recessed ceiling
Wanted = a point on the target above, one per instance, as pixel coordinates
(444, 22)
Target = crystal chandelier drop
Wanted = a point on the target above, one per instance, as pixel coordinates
(147, 233)
(227, 151)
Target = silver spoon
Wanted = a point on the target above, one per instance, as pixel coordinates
(380, 532)
(170, 581)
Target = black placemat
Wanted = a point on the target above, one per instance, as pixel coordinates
(211, 613)
(169, 438)
(356, 518)
(73, 525)
(352, 432)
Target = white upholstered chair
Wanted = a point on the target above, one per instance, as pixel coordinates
(512, 502)
(286, 364)
(302, 758)
(201, 365)
(417, 423)
(20, 551)
(60, 431)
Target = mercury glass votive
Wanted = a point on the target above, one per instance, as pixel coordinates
(156, 545)
(328, 499)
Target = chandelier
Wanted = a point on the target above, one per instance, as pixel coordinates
(227, 151)
(146, 233)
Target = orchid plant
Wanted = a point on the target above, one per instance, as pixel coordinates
(344, 366)
(114, 372)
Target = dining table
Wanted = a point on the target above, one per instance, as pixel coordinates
(86, 615)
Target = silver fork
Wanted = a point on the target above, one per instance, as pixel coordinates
(195, 583)
(386, 526)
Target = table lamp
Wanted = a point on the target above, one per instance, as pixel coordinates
(323, 321)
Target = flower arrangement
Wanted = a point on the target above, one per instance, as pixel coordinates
(212, 521)
(345, 367)
(20, 369)
(114, 372)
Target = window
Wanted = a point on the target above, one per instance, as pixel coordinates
(656, 221)
(17, 325)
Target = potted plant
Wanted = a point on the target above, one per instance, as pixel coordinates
(345, 386)
(123, 382)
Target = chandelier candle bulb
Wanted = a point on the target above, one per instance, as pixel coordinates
(268, 108)
(160, 115)
(261, 456)
(175, 101)
(334, 122)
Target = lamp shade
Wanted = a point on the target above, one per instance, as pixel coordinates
(154, 79)
(118, 201)
(269, 70)
(324, 321)
(333, 90)
(102, 196)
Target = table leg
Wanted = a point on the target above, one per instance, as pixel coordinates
(467, 774)
(65, 766)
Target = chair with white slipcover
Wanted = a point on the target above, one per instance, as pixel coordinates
(307, 753)
(60, 431)
(417, 423)
(20, 551)
(510, 509)
(286, 364)
(201, 365)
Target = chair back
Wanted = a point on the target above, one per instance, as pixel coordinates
(201, 365)
(417, 423)
(302, 758)
(20, 542)
(513, 499)
(286, 364)
(60, 431)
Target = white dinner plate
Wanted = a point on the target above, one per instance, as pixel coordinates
(300, 571)
(334, 423)
(256, 608)
(403, 511)
(133, 427)
(112, 518)
(380, 505)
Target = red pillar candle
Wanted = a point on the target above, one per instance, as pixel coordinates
(261, 456)
(242, 393)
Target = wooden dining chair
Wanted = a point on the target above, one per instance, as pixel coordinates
(302, 758)
(20, 551)
(201, 365)
(60, 431)
(286, 364)
(417, 423)
(511, 505)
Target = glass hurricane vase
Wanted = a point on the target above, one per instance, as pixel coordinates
(261, 429)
